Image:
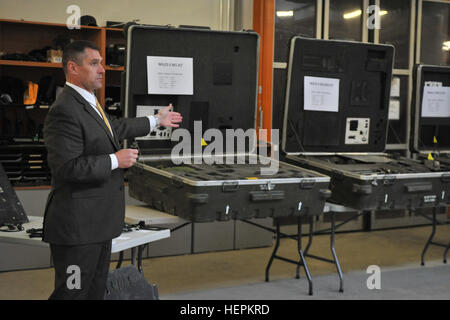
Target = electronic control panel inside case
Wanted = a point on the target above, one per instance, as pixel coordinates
(335, 122)
(211, 78)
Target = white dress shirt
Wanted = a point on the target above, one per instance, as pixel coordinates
(92, 100)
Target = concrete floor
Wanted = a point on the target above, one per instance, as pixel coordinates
(181, 276)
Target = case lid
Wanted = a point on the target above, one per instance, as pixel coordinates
(337, 97)
(208, 76)
(431, 109)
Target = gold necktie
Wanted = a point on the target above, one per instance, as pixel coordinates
(100, 109)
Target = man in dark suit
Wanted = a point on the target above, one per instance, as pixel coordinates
(86, 206)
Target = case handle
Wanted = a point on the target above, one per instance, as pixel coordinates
(418, 187)
(200, 198)
(230, 186)
(257, 196)
(307, 184)
(324, 194)
(362, 188)
(157, 187)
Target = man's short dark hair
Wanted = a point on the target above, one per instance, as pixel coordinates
(74, 50)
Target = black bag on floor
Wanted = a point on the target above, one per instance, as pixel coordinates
(128, 283)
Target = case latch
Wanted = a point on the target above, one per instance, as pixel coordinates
(445, 178)
(388, 180)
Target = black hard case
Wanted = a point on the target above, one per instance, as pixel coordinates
(225, 67)
(11, 210)
(425, 129)
(362, 176)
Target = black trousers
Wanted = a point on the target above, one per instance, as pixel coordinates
(81, 271)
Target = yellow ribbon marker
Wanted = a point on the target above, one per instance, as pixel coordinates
(252, 178)
(434, 140)
(430, 157)
(204, 144)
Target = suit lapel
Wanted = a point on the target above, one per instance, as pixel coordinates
(89, 109)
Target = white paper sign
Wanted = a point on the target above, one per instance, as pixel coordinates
(436, 102)
(170, 75)
(394, 110)
(321, 94)
(395, 87)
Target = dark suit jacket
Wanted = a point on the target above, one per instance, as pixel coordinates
(87, 200)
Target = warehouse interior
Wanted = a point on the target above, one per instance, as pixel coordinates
(349, 240)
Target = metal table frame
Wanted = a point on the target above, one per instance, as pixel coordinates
(329, 207)
(430, 241)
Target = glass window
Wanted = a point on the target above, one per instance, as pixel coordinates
(345, 20)
(292, 17)
(435, 40)
(395, 29)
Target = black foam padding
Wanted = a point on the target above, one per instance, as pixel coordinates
(225, 68)
(11, 210)
(428, 127)
(364, 71)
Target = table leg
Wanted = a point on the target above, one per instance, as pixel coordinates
(333, 251)
(277, 244)
(139, 262)
(302, 257)
(430, 239)
(119, 262)
(445, 253)
(305, 252)
(133, 256)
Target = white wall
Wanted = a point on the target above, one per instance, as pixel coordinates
(159, 12)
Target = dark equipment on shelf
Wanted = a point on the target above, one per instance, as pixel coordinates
(87, 20)
(115, 54)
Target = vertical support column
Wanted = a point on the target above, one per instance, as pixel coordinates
(101, 43)
(264, 24)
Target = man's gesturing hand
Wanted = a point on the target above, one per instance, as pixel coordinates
(168, 118)
(126, 157)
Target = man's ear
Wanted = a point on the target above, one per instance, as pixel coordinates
(72, 67)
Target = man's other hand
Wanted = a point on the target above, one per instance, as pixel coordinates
(126, 157)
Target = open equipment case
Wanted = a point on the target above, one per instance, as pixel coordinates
(335, 122)
(431, 118)
(222, 95)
